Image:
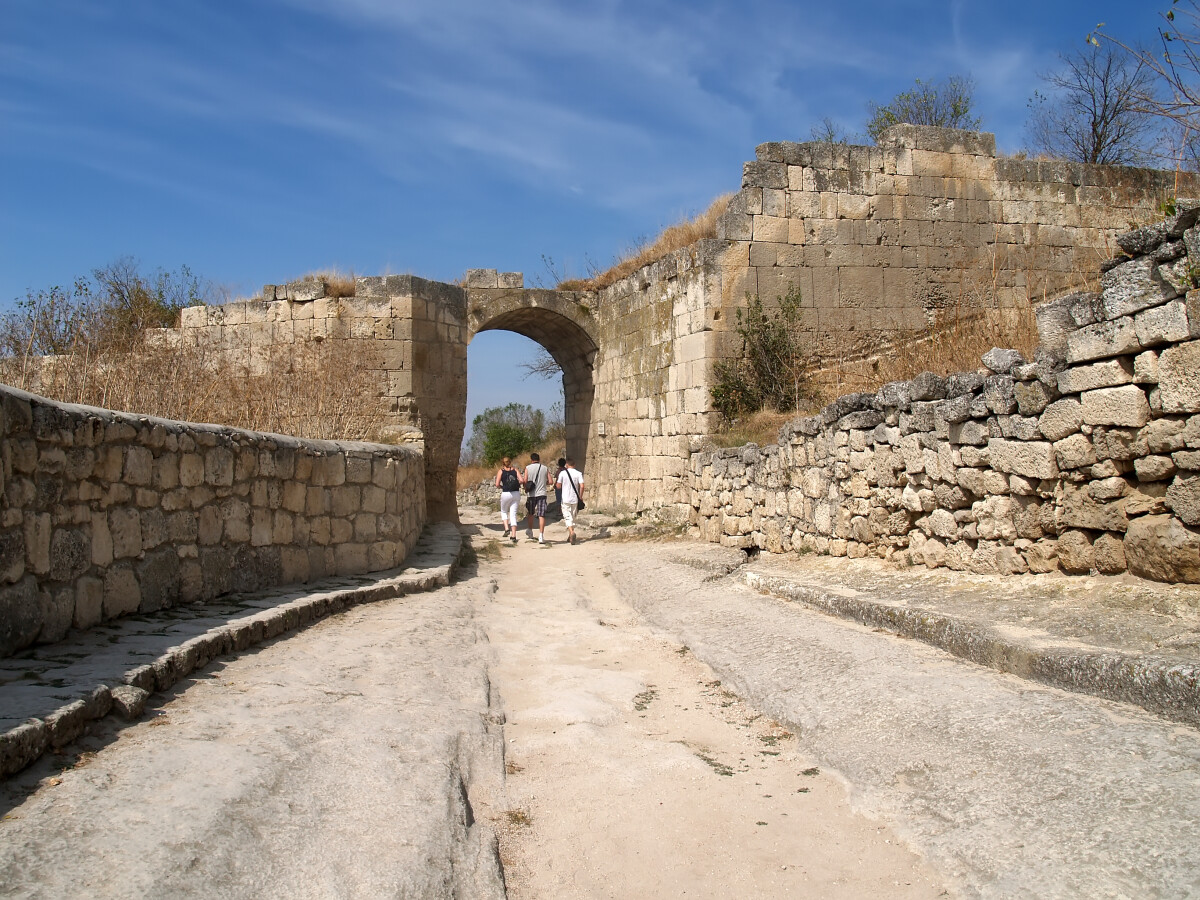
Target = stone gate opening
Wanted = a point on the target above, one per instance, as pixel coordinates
(567, 342)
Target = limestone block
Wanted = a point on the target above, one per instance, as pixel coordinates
(1079, 510)
(158, 580)
(1033, 397)
(1106, 373)
(1183, 498)
(1126, 405)
(1179, 378)
(940, 523)
(1154, 468)
(1032, 459)
(1061, 418)
(972, 432)
(1042, 557)
(1187, 459)
(1108, 552)
(1163, 324)
(1074, 452)
(125, 527)
(1162, 548)
(1019, 428)
(1131, 287)
(1102, 340)
(122, 595)
(1002, 362)
(1145, 368)
(1075, 553)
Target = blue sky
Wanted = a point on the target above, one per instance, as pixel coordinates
(259, 140)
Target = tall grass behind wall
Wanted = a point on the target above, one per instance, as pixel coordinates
(329, 390)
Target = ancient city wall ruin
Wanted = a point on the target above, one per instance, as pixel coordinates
(878, 239)
(107, 514)
(881, 239)
(1087, 459)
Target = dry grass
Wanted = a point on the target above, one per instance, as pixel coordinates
(327, 390)
(951, 344)
(337, 283)
(760, 428)
(676, 237)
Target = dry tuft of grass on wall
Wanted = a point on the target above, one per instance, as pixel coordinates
(337, 283)
(675, 237)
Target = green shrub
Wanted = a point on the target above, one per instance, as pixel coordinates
(772, 371)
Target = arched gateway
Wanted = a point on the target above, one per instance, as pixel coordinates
(877, 239)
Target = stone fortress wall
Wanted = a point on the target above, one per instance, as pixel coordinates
(881, 239)
(1086, 459)
(878, 239)
(107, 514)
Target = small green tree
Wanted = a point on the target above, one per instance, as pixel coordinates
(773, 367)
(946, 104)
(501, 431)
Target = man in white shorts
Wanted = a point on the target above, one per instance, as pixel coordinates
(570, 495)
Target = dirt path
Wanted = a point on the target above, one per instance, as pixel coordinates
(632, 772)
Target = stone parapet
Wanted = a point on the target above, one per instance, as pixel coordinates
(107, 514)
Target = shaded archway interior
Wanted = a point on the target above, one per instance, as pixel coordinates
(574, 351)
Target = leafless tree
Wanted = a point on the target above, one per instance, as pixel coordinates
(541, 366)
(1175, 61)
(1094, 112)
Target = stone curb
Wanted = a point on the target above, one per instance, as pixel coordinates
(23, 745)
(1167, 689)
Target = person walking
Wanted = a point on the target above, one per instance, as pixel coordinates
(508, 479)
(537, 477)
(570, 495)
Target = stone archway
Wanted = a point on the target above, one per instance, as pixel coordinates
(559, 321)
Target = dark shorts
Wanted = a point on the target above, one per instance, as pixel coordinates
(536, 506)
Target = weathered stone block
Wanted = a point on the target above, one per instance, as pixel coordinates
(1074, 451)
(1032, 459)
(1131, 287)
(1106, 373)
(1126, 406)
(1162, 324)
(1162, 548)
(1061, 418)
(1102, 340)
(1183, 498)
(1179, 378)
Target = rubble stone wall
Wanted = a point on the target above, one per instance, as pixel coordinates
(105, 514)
(1085, 460)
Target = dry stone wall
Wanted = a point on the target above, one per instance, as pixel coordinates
(106, 514)
(1086, 459)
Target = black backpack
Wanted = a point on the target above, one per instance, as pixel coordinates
(509, 480)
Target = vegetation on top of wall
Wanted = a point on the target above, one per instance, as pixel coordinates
(103, 343)
(337, 283)
(945, 104)
(676, 237)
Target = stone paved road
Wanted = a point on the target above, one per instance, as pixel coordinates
(1011, 789)
(328, 764)
(361, 757)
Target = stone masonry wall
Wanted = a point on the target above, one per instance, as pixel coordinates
(106, 514)
(880, 239)
(410, 332)
(1087, 459)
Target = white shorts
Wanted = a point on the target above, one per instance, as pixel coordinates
(568, 514)
(510, 502)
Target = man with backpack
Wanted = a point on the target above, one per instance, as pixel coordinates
(536, 481)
